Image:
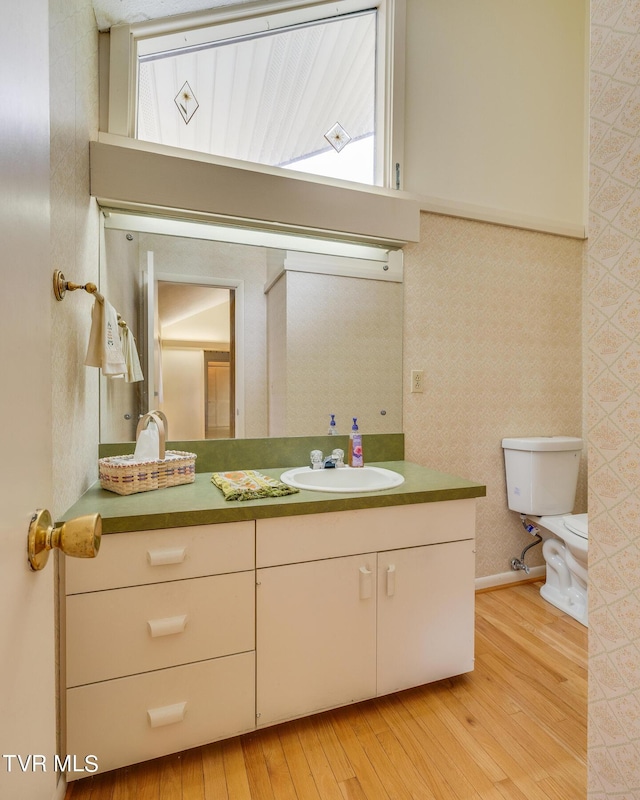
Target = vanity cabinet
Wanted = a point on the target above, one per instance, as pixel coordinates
(180, 637)
(357, 604)
(160, 642)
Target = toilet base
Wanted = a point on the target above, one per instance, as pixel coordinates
(566, 580)
(570, 602)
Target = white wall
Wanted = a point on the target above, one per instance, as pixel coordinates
(119, 284)
(496, 109)
(201, 258)
(183, 403)
(343, 354)
(277, 356)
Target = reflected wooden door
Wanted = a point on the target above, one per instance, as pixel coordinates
(218, 406)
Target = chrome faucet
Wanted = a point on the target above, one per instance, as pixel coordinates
(334, 461)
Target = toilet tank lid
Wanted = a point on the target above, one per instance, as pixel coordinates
(543, 443)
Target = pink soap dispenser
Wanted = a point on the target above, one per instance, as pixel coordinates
(355, 446)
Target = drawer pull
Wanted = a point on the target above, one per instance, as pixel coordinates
(166, 555)
(391, 580)
(166, 715)
(167, 625)
(365, 583)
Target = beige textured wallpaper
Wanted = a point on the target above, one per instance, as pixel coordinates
(74, 245)
(613, 374)
(493, 317)
(73, 60)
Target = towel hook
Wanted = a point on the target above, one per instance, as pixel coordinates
(61, 286)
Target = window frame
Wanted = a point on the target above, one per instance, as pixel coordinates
(126, 42)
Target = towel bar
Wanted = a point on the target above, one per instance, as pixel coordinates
(61, 286)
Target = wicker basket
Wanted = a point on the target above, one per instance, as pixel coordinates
(123, 475)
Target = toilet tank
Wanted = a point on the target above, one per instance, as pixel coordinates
(542, 473)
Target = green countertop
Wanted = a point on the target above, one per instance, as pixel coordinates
(202, 503)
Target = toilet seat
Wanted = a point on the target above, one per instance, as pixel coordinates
(578, 524)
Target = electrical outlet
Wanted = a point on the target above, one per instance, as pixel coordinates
(417, 380)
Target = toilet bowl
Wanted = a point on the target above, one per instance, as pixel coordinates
(565, 551)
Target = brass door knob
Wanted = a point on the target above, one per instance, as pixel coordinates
(79, 537)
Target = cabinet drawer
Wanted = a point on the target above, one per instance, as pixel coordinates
(145, 716)
(126, 631)
(133, 559)
(289, 540)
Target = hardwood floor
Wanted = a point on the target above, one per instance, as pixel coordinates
(514, 728)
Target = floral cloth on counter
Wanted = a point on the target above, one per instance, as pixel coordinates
(249, 485)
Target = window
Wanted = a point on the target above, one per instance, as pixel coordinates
(311, 88)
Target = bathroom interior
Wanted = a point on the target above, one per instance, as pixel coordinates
(521, 324)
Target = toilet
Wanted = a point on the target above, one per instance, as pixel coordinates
(542, 476)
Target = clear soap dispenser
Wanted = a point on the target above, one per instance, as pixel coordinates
(333, 430)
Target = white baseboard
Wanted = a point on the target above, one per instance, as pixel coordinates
(505, 578)
(61, 789)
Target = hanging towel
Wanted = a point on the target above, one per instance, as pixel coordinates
(134, 372)
(94, 354)
(105, 349)
(249, 485)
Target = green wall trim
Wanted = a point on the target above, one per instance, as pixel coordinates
(214, 455)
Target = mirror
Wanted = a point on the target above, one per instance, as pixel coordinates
(308, 334)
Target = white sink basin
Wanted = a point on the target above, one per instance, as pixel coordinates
(342, 479)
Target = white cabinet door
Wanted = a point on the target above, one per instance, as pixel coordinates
(425, 614)
(316, 636)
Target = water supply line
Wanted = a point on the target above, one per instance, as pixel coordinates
(518, 563)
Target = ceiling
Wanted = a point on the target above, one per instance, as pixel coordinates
(115, 12)
(193, 312)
